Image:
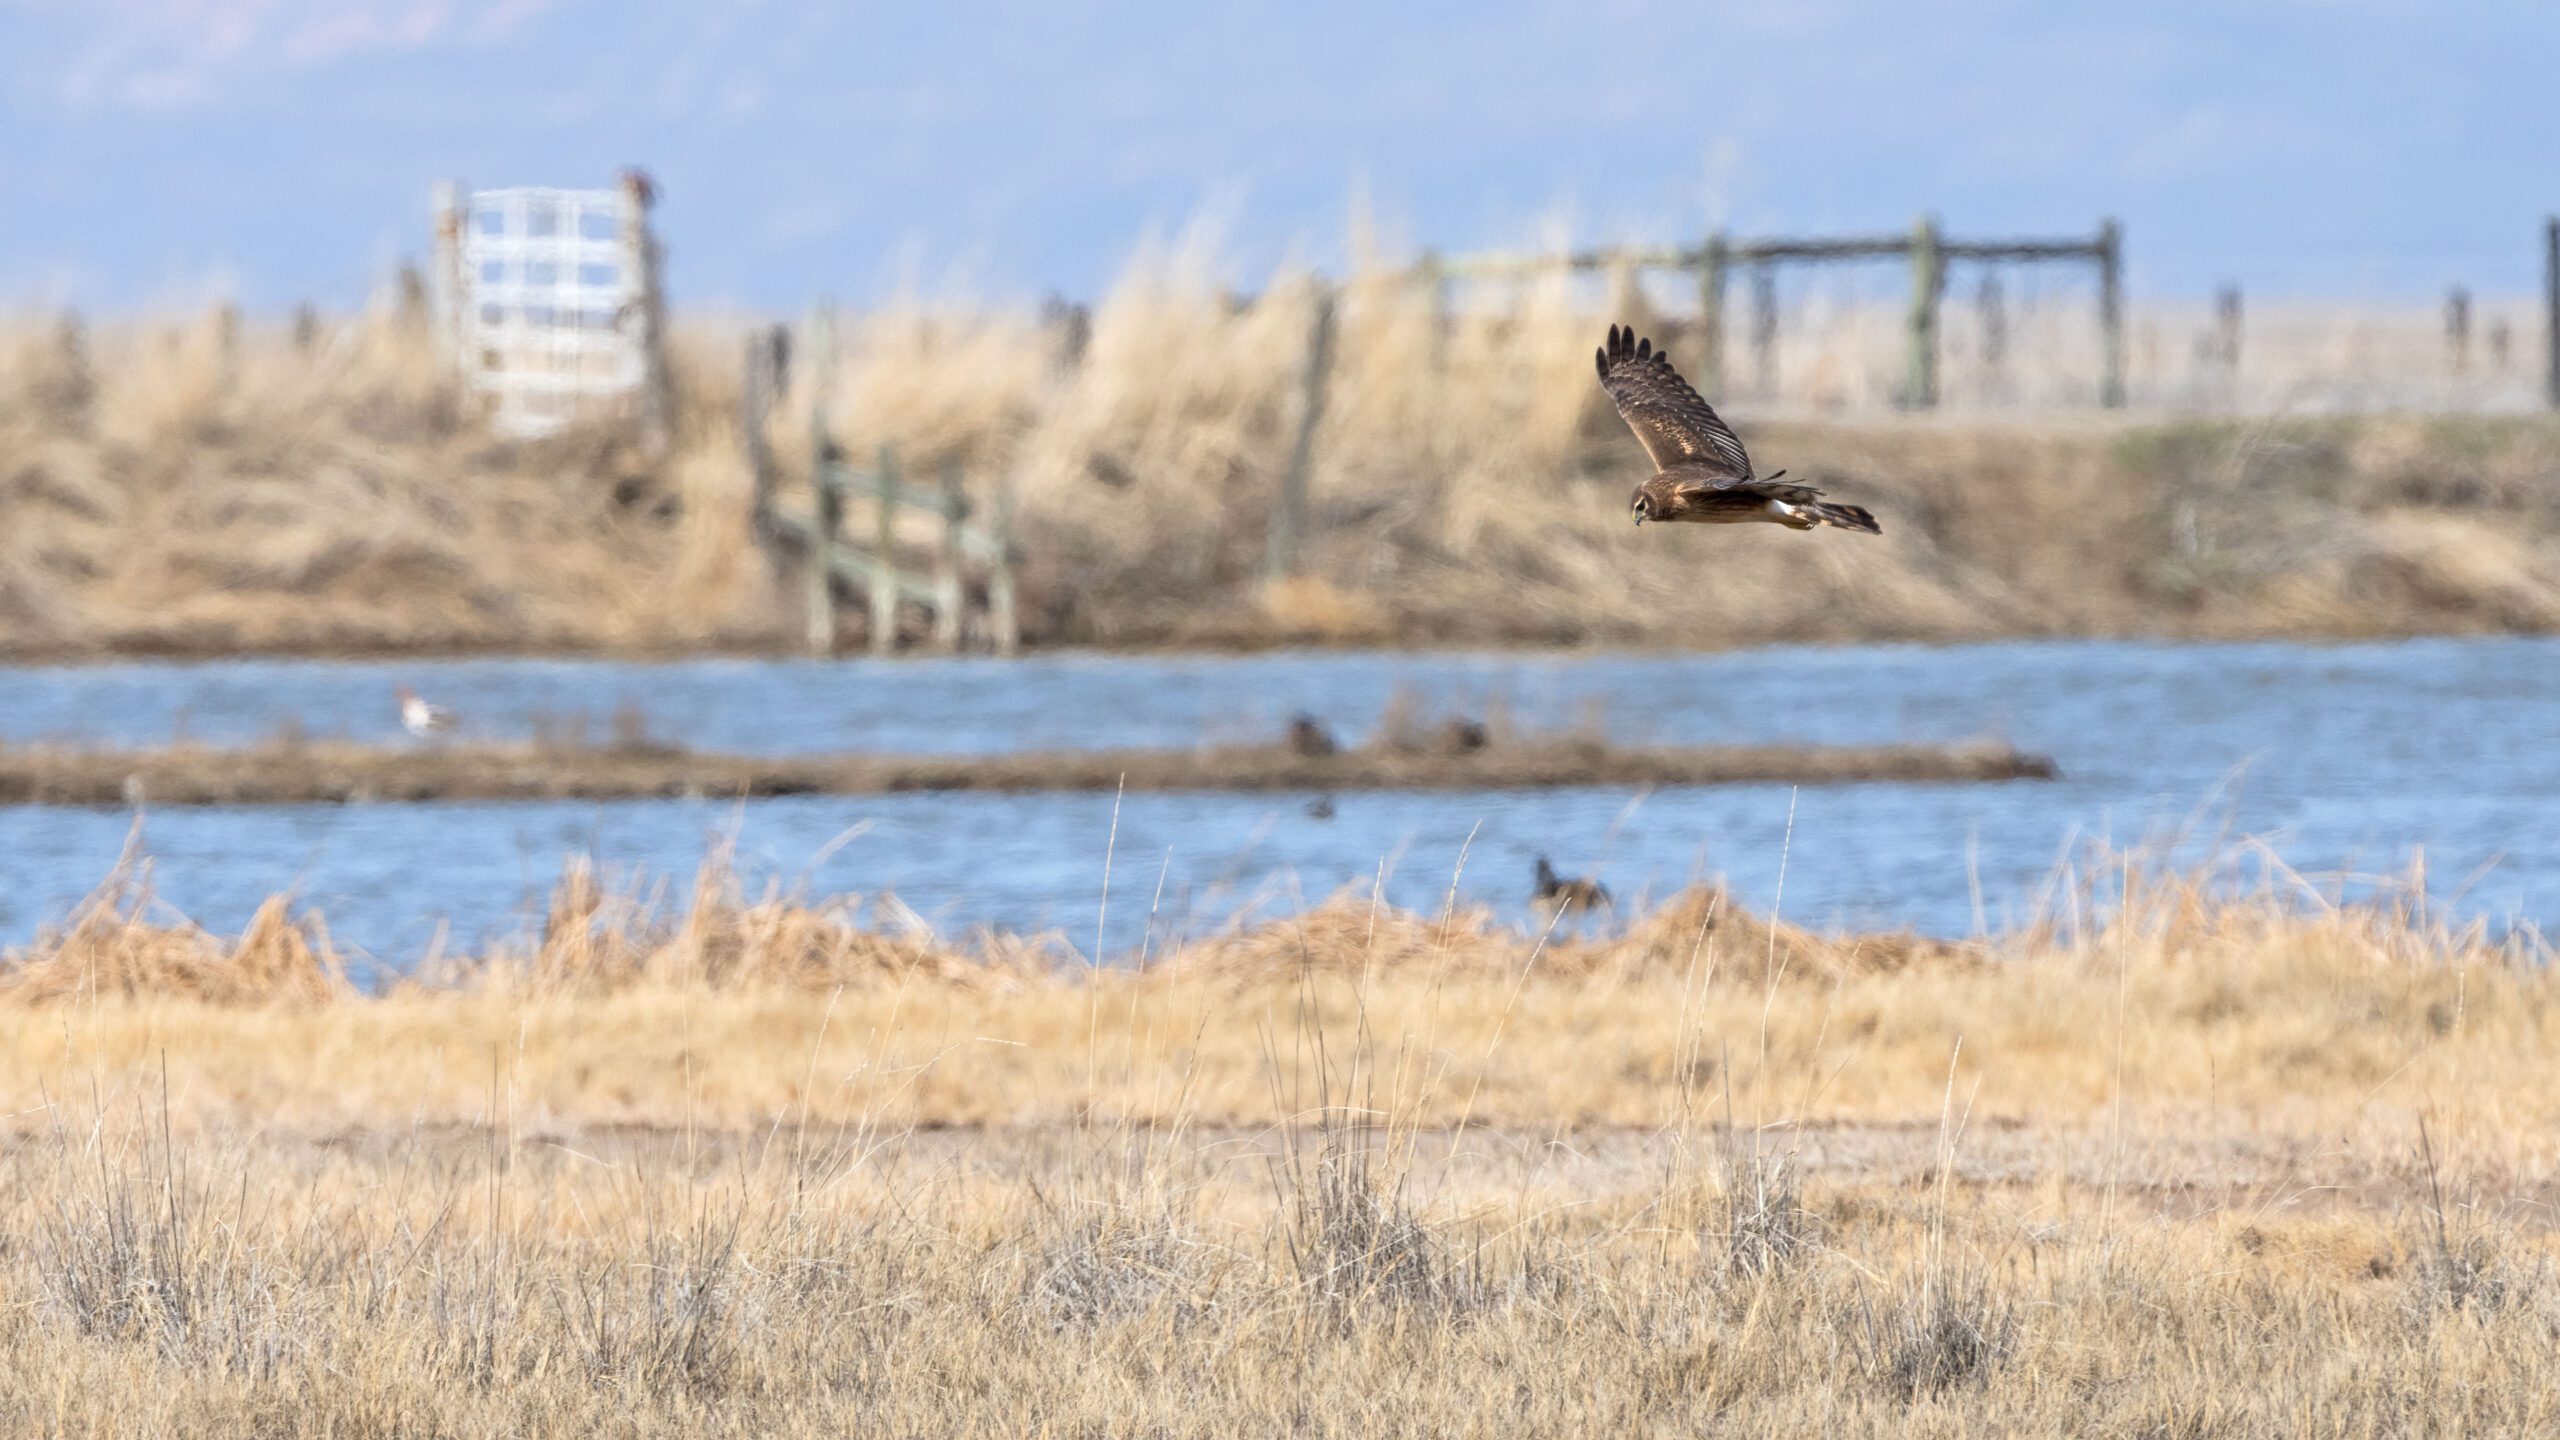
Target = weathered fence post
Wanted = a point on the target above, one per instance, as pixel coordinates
(1764, 329)
(1290, 518)
(2551, 310)
(2111, 314)
(884, 556)
(1928, 282)
(640, 252)
(1002, 615)
(827, 502)
(1993, 309)
(1711, 276)
(1433, 277)
(226, 342)
(2226, 329)
(767, 376)
(2219, 348)
(1070, 330)
(2457, 329)
(69, 382)
(946, 579)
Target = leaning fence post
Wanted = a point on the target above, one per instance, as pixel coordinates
(884, 556)
(1928, 279)
(1290, 518)
(1000, 592)
(2457, 329)
(827, 501)
(946, 580)
(2110, 250)
(1711, 274)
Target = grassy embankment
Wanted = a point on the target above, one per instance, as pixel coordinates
(2194, 1164)
(170, 490)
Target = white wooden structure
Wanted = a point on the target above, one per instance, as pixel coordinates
(550, 305)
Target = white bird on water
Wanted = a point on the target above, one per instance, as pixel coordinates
(420, 716)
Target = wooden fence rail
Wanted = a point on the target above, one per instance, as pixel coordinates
(1925, 248)
(830, 563)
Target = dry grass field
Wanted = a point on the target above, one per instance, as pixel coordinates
(206, 487)
(2184, 1160)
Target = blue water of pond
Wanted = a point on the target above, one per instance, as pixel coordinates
(2347, 759)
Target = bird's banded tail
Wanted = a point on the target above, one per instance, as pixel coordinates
(1847, 517)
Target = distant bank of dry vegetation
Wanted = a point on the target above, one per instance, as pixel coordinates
(203, 486)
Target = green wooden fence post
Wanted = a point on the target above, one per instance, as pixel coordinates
(884, 556)
(1928, 282)
(946, 581)
(827, 502)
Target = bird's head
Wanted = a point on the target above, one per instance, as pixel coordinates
(1643, 507)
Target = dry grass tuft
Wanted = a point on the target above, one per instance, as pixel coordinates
(113, 947)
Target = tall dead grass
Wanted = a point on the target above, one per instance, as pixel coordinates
(2209, 1161)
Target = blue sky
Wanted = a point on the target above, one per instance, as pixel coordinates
(158, 151)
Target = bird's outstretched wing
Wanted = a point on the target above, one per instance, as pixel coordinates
(1671, 421)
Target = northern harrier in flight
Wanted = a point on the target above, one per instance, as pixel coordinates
(1701, 473)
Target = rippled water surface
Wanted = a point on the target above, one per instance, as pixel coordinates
(2348, 758)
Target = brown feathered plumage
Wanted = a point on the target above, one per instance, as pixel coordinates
(1702, 473)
